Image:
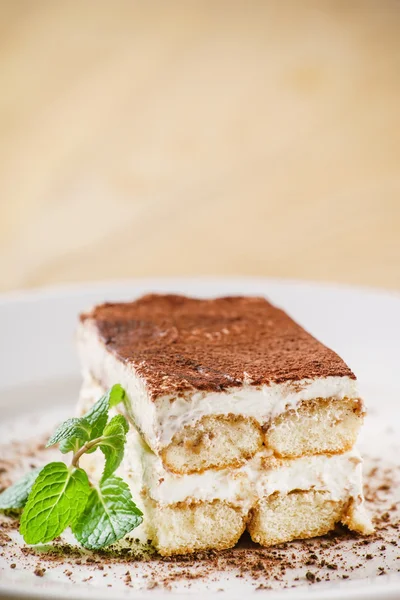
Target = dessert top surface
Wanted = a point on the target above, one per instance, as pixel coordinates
(180, 344)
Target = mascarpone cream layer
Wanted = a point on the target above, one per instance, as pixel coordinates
(340, 475)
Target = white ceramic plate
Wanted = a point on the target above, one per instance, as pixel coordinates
(40, 380)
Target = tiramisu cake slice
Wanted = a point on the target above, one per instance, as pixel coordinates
(239, 418)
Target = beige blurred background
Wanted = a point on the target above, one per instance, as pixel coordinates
(189, 138)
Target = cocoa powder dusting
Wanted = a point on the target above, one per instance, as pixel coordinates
(179, 344)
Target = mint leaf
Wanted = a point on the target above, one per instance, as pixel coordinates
(71, 428)
(118, 420)
(110, 513)
(96, 418)
(15, 497)
(116, 395)
(58, 497)
(70, 445)
(112, 444)
(98, 414)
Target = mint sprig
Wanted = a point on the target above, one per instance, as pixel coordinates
(94, 420)
(58, 496)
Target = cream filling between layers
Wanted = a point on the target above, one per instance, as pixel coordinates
(160, 420)
(340, 475)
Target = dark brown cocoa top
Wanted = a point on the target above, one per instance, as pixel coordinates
(179, 344)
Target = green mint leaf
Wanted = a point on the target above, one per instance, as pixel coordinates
(58, 497)
(98, 414)
(116, 395)
(15, 497)
(109, 515)
(71, 429)
(119, 420)
(96, 417)
(70, 445)
(112, 444)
